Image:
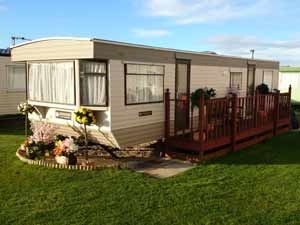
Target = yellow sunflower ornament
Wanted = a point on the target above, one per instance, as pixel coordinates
(85, 117)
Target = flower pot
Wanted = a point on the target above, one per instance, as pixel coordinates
(72, 159)
(31, 152)
(63, 160)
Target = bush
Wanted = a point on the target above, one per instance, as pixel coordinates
(208, 93)
(263, 89)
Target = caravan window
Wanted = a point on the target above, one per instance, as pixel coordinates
(93, 83)
(52, 82)
(236, 80)
(16, 77)
(144, 83)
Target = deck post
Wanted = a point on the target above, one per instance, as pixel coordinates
(276, 112)
(167, 120)
(256, 108)
(234, 121)
(290, 105)
(201, 123)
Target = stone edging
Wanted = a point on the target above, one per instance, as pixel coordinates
(59, 166)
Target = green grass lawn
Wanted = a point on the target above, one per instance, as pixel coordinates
(259, 185)
(298, 115)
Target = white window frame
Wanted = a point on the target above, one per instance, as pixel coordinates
(133, 74)
(241, 79)
(95, 107)
(53, 104)
(9, 89)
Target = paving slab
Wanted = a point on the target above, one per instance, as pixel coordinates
(160, 168)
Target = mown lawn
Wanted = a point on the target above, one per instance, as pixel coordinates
(259, 185)
(298, 115)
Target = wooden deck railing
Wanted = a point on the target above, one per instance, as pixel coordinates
(229, 121)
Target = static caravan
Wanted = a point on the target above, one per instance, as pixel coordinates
(290, 76)
(124, 83)
(12, 83)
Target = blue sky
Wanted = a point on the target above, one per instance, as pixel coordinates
(271, 27)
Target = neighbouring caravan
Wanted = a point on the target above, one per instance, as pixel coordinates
(124, 83)
(290, 76)
(12, 83)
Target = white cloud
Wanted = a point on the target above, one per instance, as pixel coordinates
(286, 51)
(203, 11)
(150, 33)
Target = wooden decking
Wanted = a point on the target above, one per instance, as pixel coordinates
(228, 124)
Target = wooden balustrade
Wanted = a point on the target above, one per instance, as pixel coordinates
(228, 121)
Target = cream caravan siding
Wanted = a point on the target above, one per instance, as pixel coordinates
(4, 60)
(9, 99)
(124, 116)
(258, 76)
(290, 78)
(276, 79)
(133, 54)
(127, 126)
(213, 60)
(53, 49)
(216, 77)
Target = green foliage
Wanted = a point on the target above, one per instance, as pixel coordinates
(263, 89)
(208, 93)
(255, 186)
(37, 150)
(60, 137)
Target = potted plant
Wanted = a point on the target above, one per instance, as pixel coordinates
(195, 99)
(208, 93)
(263, 89)
(65, 149)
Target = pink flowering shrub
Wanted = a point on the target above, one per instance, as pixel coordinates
(43, 132)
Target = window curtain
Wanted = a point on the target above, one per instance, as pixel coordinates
(16, 77)
(236, 80)
(52, 82)
(144, 88)
(93, 83)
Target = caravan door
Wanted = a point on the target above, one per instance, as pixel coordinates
(182, 94)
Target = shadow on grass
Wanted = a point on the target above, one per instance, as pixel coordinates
(280, 150)
(12, 127)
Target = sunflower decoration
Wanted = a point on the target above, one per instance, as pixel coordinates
(85, 116)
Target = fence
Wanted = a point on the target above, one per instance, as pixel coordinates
(230, 122)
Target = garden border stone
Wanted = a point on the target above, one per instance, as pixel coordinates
(70, 167)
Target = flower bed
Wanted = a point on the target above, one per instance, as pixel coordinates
(50, 162)
(98, 158)
(46, 148)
